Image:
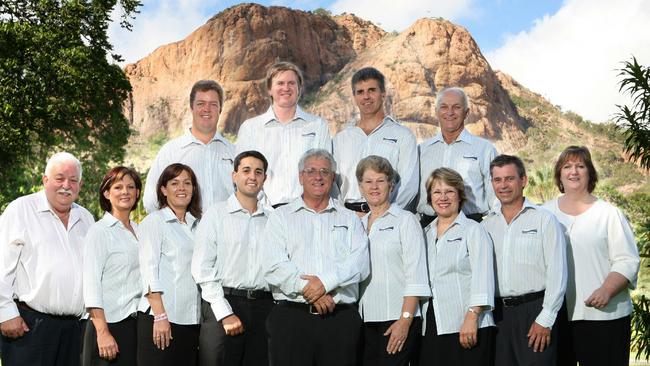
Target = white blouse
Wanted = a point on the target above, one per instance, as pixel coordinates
(600, 241)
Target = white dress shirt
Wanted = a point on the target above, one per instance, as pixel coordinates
(211, 162)
(330, 244)
(470, 156)
(461, 273)
(390, 140)
(600, 241)
(165, 262)
(283, 145)
(530, 255)
(40, 260)
(228, 252)
(111, 270)
(399, 265)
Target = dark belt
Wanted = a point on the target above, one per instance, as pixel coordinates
(426, 219)
(358, 206)
(278, 205)
(311, 309)
(249, 294)
(22, 305)
(511, 301)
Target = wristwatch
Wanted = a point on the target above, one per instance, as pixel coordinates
(407, 315)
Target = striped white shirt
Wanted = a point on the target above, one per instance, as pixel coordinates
(330, 244)
(461, 273)
(283, 145)
(601, 241)
(399, 266)
(229, 252)
(165, 261)
(40, 260)
(390, 140)
(211, 162)
(111, 269)
(470, 156)
(530, 256)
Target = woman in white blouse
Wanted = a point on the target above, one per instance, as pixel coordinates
(168, 322)
(389, 303)
(111, 273)
(458, 320)
(603, 262)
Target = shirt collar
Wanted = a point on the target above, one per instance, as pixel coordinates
(299, 203)
(387, 120)
(188, 139)
(464, 136)
(496, 210)
(233, 205)
(269, 115)
(168, 215)
(109, 219)
(393, 210)
(43, 205)
(460, 220)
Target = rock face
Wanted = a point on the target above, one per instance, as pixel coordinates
(236, 46)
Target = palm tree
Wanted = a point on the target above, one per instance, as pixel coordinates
(541, 185)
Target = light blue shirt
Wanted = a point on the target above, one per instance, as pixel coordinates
(165, 260)
(461, 272)
(399, 266)
(530, 255)
(211, 162)
(390, 140)
(283, 144)
(111, 270)
(228, 252)
(330, 244)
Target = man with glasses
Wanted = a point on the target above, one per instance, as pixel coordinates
(316, 256)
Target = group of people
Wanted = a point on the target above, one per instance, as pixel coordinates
(293, 248)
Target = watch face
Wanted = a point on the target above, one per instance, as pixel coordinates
(406, 315)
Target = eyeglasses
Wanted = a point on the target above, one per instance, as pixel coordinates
(323, 172)
(448, 193)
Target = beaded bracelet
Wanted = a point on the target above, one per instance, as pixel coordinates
(160, 317)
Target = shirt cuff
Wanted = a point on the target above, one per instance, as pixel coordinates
(546, 318)
(9, 312)
(481, 300)
(154, 286)
(221, 309)
(329, 282)
(93, 302)
(417, 290)
(628, 271)
(300, 284)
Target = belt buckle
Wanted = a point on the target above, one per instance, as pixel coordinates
(250, 294)
(312, 310)
(364, 207)
(507, 302)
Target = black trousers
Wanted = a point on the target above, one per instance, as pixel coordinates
(298, 338)
(125, 334)
(182, 350)
(445, 349)
(51, 341)
(375, 343)
(247, 349)
(511, 342)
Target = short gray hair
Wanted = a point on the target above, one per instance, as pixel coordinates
(453, 89)
(62, 157)
(316, 154)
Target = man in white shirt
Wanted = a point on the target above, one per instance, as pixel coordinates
(316, 255)
(531, 269)
(283, 133)
(41, 298)
(227, 264)
(375, 133)
(201, 148)
(455, 148)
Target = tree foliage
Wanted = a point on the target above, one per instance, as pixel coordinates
(59, 91)
(635, 120)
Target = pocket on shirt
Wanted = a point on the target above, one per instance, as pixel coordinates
(339, 241)
(308, 140)
(532, 247)
(388, 149)
(469, 167)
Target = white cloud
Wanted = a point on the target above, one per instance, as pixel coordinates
(159, 22)
(398, 15)
(572, 57)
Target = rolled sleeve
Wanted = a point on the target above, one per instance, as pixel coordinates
(415, 264)
(481, 259)
(151, 241)
(623, 252)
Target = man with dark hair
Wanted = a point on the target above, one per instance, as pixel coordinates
(227, 264)
(41, 245)
(375, 133)
(455, 148)
(201, 148)
(283, 133)
(530, 255)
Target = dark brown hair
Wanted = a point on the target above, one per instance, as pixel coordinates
(172, 171)
(115, 175)
(576, 153)
(204, 86)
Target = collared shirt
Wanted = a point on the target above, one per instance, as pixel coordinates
(530, 255)
(390, 140)
(601, 241)
(470, 156)
(111, 270)
(283, 145)
(229, 252)
(461, 272)
(166, 246)
(40, 259)
(399, 266)
(330, 244)
(211, 162)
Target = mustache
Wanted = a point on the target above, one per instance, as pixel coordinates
(64, 191)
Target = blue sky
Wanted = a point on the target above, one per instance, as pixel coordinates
(568, 51)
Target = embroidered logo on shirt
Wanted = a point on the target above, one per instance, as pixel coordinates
(390, 140)
(470, 157)
(531, 231)
(339, 227)
(309, 134)
(227, 159)
(454, 240)
(387, 228)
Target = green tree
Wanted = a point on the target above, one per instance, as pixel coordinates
(541, 185)
(58, 90)
(634, 121)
